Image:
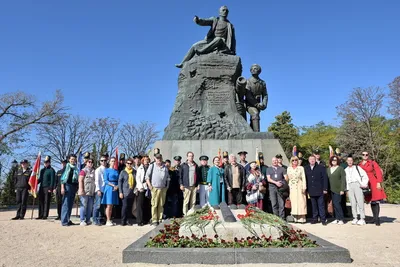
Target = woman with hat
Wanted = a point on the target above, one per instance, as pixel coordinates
(256, 186)
(110, 196)
(216, 185)
(298, 187)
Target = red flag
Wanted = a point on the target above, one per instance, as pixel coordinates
(33, 180)
(116, 163)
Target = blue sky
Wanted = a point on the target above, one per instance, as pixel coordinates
(116, 58)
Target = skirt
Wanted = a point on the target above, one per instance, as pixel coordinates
(110, 197)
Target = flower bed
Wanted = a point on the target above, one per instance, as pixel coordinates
(169, 236)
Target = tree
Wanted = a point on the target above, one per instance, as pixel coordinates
(106, 135)
(7, 196)
(394, 95)
(284, 130)
(19, 112)
(319, 136)
(66, 137)
(364, 104)
(136, 139)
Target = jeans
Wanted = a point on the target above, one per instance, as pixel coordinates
(278, 205)
(97, 209)
(68, 202)
(86, 208)
(337, 206)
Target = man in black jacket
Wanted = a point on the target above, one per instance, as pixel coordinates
(57, 188)
(188, 182)
(21, 179)
(317, 187)
(235, 181)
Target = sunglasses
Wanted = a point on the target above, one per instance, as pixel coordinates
(365, 154)
(295, 160)
(103, 160)
(129, 163)
(90, 162)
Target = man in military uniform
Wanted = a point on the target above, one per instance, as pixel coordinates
(221, 37)
(57, 188)
(258, 89)
(21, 179)
(46, 181)
(202, 175)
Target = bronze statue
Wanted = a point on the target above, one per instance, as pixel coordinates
(259, 97)
(220, 37)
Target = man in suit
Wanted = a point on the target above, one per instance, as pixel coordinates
(317, 187)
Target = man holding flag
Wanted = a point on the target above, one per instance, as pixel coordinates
(21, 179)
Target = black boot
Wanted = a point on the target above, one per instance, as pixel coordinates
(377, 220)
(375, 212)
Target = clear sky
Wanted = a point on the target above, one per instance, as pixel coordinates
(116, 58)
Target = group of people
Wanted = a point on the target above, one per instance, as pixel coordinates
(152, 190)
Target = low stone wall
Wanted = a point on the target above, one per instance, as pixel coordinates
(325, 253)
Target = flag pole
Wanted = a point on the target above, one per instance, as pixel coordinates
(33, 208)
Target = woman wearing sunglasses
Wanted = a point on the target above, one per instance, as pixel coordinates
(375, 176)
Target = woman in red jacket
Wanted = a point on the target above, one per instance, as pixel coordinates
(374, 173)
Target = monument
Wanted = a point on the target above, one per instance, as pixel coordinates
(213, 99)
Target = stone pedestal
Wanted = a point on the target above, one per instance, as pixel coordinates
(269, 147)
(205, 106)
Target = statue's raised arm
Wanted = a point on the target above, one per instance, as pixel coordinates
(220, 37)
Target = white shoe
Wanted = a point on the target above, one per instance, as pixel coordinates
(335, 222)
(354, 222)
(109, 223)
(361, 222)
(83, 223)
(340, 223)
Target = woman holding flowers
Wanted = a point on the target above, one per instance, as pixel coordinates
(255, 186)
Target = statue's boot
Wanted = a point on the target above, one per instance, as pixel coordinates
(255, 123)
(179, 65)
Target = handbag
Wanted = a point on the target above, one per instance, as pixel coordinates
(252, 198)
(262, 189)
(288, 204)
(366, 191)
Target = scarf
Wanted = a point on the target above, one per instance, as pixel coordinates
(70, 168)
(131, 180)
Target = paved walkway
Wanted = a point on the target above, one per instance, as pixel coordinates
(46, 243)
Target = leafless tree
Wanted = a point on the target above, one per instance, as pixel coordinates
(20, 112)
(394, 95)
(70, 135)
(136, 139)
(364, 105)
(106, 135)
